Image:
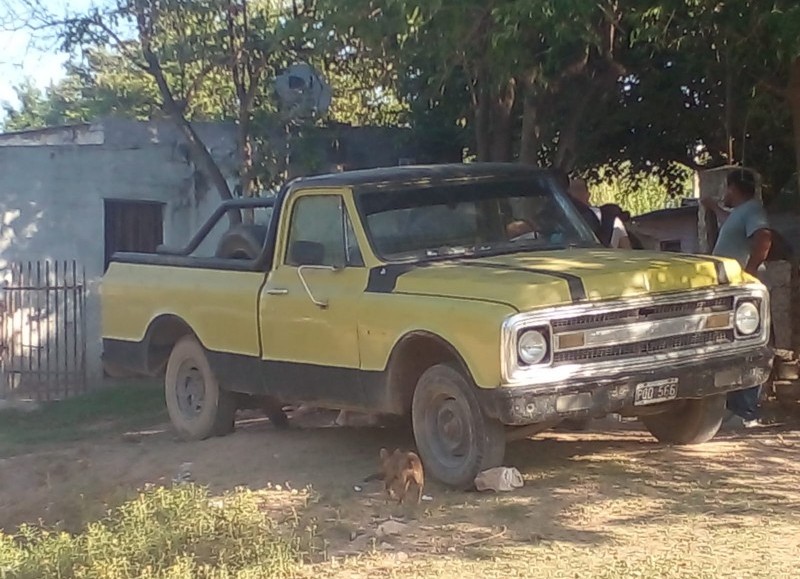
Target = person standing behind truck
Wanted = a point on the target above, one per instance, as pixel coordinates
(744, 236)
(612, 232)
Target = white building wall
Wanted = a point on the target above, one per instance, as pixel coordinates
(52, 193)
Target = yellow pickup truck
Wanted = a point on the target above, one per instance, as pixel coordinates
(472, 297)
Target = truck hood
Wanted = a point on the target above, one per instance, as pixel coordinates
(527, 281)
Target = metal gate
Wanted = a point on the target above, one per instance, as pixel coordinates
(43, 331)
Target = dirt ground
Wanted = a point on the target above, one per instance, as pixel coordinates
(609, 502)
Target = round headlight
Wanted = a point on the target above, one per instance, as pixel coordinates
(532, 347)
(747, 318)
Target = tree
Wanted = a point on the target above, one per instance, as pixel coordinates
(519, 63)
(578, 84)
(733, 62)
(196, 59)
(101, 84)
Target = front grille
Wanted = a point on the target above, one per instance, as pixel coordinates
(647, 313)
(649, 347)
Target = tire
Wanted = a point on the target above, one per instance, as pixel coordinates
(445, 399)
(242, 242)
(692, 422)
(197, 407)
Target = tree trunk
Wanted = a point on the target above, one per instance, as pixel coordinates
(502, 123)
(246, 167)
(483, 123)
(794, 105)
(531, 131)
(200, 153)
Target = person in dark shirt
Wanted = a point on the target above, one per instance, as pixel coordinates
(610, 229)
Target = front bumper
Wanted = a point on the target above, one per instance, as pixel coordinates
(522, 405)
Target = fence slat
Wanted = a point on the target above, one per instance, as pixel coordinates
(39, 323)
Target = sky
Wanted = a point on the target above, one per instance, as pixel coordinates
(25, 55)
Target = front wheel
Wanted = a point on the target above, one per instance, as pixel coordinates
(198, 408)
(455, 439)
(692, 421)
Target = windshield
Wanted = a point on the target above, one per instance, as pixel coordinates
(476, 218)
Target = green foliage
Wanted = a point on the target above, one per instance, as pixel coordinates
(638, 192)
(360, 98)
(102, 83)
(177, 533)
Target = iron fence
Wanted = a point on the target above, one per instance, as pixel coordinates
(43, 330)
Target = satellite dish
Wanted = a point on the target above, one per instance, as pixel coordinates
(303, 91)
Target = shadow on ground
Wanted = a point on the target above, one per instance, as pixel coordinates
(586, 489)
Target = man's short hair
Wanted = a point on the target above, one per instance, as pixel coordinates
(744, 181)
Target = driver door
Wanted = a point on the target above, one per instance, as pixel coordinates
(309, 305)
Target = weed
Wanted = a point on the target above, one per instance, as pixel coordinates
(164, 533)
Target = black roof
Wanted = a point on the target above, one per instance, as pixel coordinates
(420, 175)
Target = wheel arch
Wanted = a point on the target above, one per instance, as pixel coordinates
(161, 335)
(414, 353)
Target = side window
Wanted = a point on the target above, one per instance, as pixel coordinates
(321, 233)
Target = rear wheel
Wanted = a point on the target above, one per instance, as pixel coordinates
(455, 439)
(197, 407)
(690, 422)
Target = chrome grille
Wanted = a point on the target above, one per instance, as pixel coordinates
(635, 334)
(647, 313)
(622, 351)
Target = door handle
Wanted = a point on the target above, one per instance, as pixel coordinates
(277, 292)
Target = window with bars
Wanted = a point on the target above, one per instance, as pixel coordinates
(136, 226)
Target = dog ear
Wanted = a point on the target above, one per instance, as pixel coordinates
(384, 454)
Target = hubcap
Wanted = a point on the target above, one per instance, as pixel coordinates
(190, 390)
(450, 427)
(449, 423)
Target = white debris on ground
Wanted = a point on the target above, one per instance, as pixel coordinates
(184, 475)
(499, 479)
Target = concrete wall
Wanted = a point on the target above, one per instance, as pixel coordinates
(676, 224)
(51, 194)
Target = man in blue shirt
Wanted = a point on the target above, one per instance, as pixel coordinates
(745, 237)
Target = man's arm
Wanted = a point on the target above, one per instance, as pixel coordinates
(761, 243)
(714, 206)
(619, 236)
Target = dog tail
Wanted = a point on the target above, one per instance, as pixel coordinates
(413, 461)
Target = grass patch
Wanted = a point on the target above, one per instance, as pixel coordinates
(164, 533)
(107, 410)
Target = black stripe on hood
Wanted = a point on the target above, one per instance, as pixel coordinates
(383, 279)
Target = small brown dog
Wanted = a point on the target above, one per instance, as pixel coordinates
(399, 470)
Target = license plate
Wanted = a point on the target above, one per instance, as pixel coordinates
(655, 392)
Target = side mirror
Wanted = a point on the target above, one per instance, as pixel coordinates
(305, 253)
